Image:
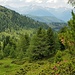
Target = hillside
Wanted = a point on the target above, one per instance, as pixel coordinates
(45, 19)
(51, 21)
(42, 15)
(11, 19)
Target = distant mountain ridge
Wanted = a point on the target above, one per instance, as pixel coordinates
(45, 19)
(61, 13)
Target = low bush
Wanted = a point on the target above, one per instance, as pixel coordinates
(6, 66)
(58, 56)
(18, 62)
(1, 56)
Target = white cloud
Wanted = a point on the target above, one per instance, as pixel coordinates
(28, 0)
(65, 1)
(39, 1)
(57, 1)
(1, 0)
(46, 3)
(51, 1)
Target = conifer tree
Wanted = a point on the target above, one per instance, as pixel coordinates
(50, 41)
(6, 50)
(38, 48)
(23, 43)
(12, 52)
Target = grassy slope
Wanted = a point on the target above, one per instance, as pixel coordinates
(40, 67)
(6, 68)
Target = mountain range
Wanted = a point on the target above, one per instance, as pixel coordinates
(33, 17)
(46, 19)
(34, 11)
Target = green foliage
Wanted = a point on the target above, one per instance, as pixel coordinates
(38, 48)
(8, 47)
(72, 22)
(12, 53)
(24, 42)
(62, 46)
(58, 56)
(22, 45)
(6, 41)
(18, 62)
(6, 50)
(20, 55)
(1, 56)
(42, 44)
(50, 41)
(57, 45)
(62, 68)
(67, 36)
(64, 29)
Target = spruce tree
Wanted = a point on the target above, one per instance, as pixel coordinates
(38, 48)
(51, 41)
(12, 52)
(23, 43)
(6, 51)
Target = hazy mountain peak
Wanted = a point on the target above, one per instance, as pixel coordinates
(62, 13)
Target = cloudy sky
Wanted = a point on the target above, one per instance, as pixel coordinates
(44, 3)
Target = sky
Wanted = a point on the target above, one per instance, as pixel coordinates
(44, 3)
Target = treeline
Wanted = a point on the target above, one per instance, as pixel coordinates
(41, 44)
(57, 25)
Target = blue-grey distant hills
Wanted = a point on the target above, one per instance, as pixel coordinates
(61, 14)
(45, 19)
(42, 15)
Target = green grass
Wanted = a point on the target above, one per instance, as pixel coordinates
(8, 68)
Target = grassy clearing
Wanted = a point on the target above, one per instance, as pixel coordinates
(33, 68)
(40, 67)
(8, 68)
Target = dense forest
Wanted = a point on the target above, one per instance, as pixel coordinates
(28, 47)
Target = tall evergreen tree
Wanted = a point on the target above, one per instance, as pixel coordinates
(23, 42)
(6, 51)
(6, 41)
(12, 52)
(38, 48)
(51, 41)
